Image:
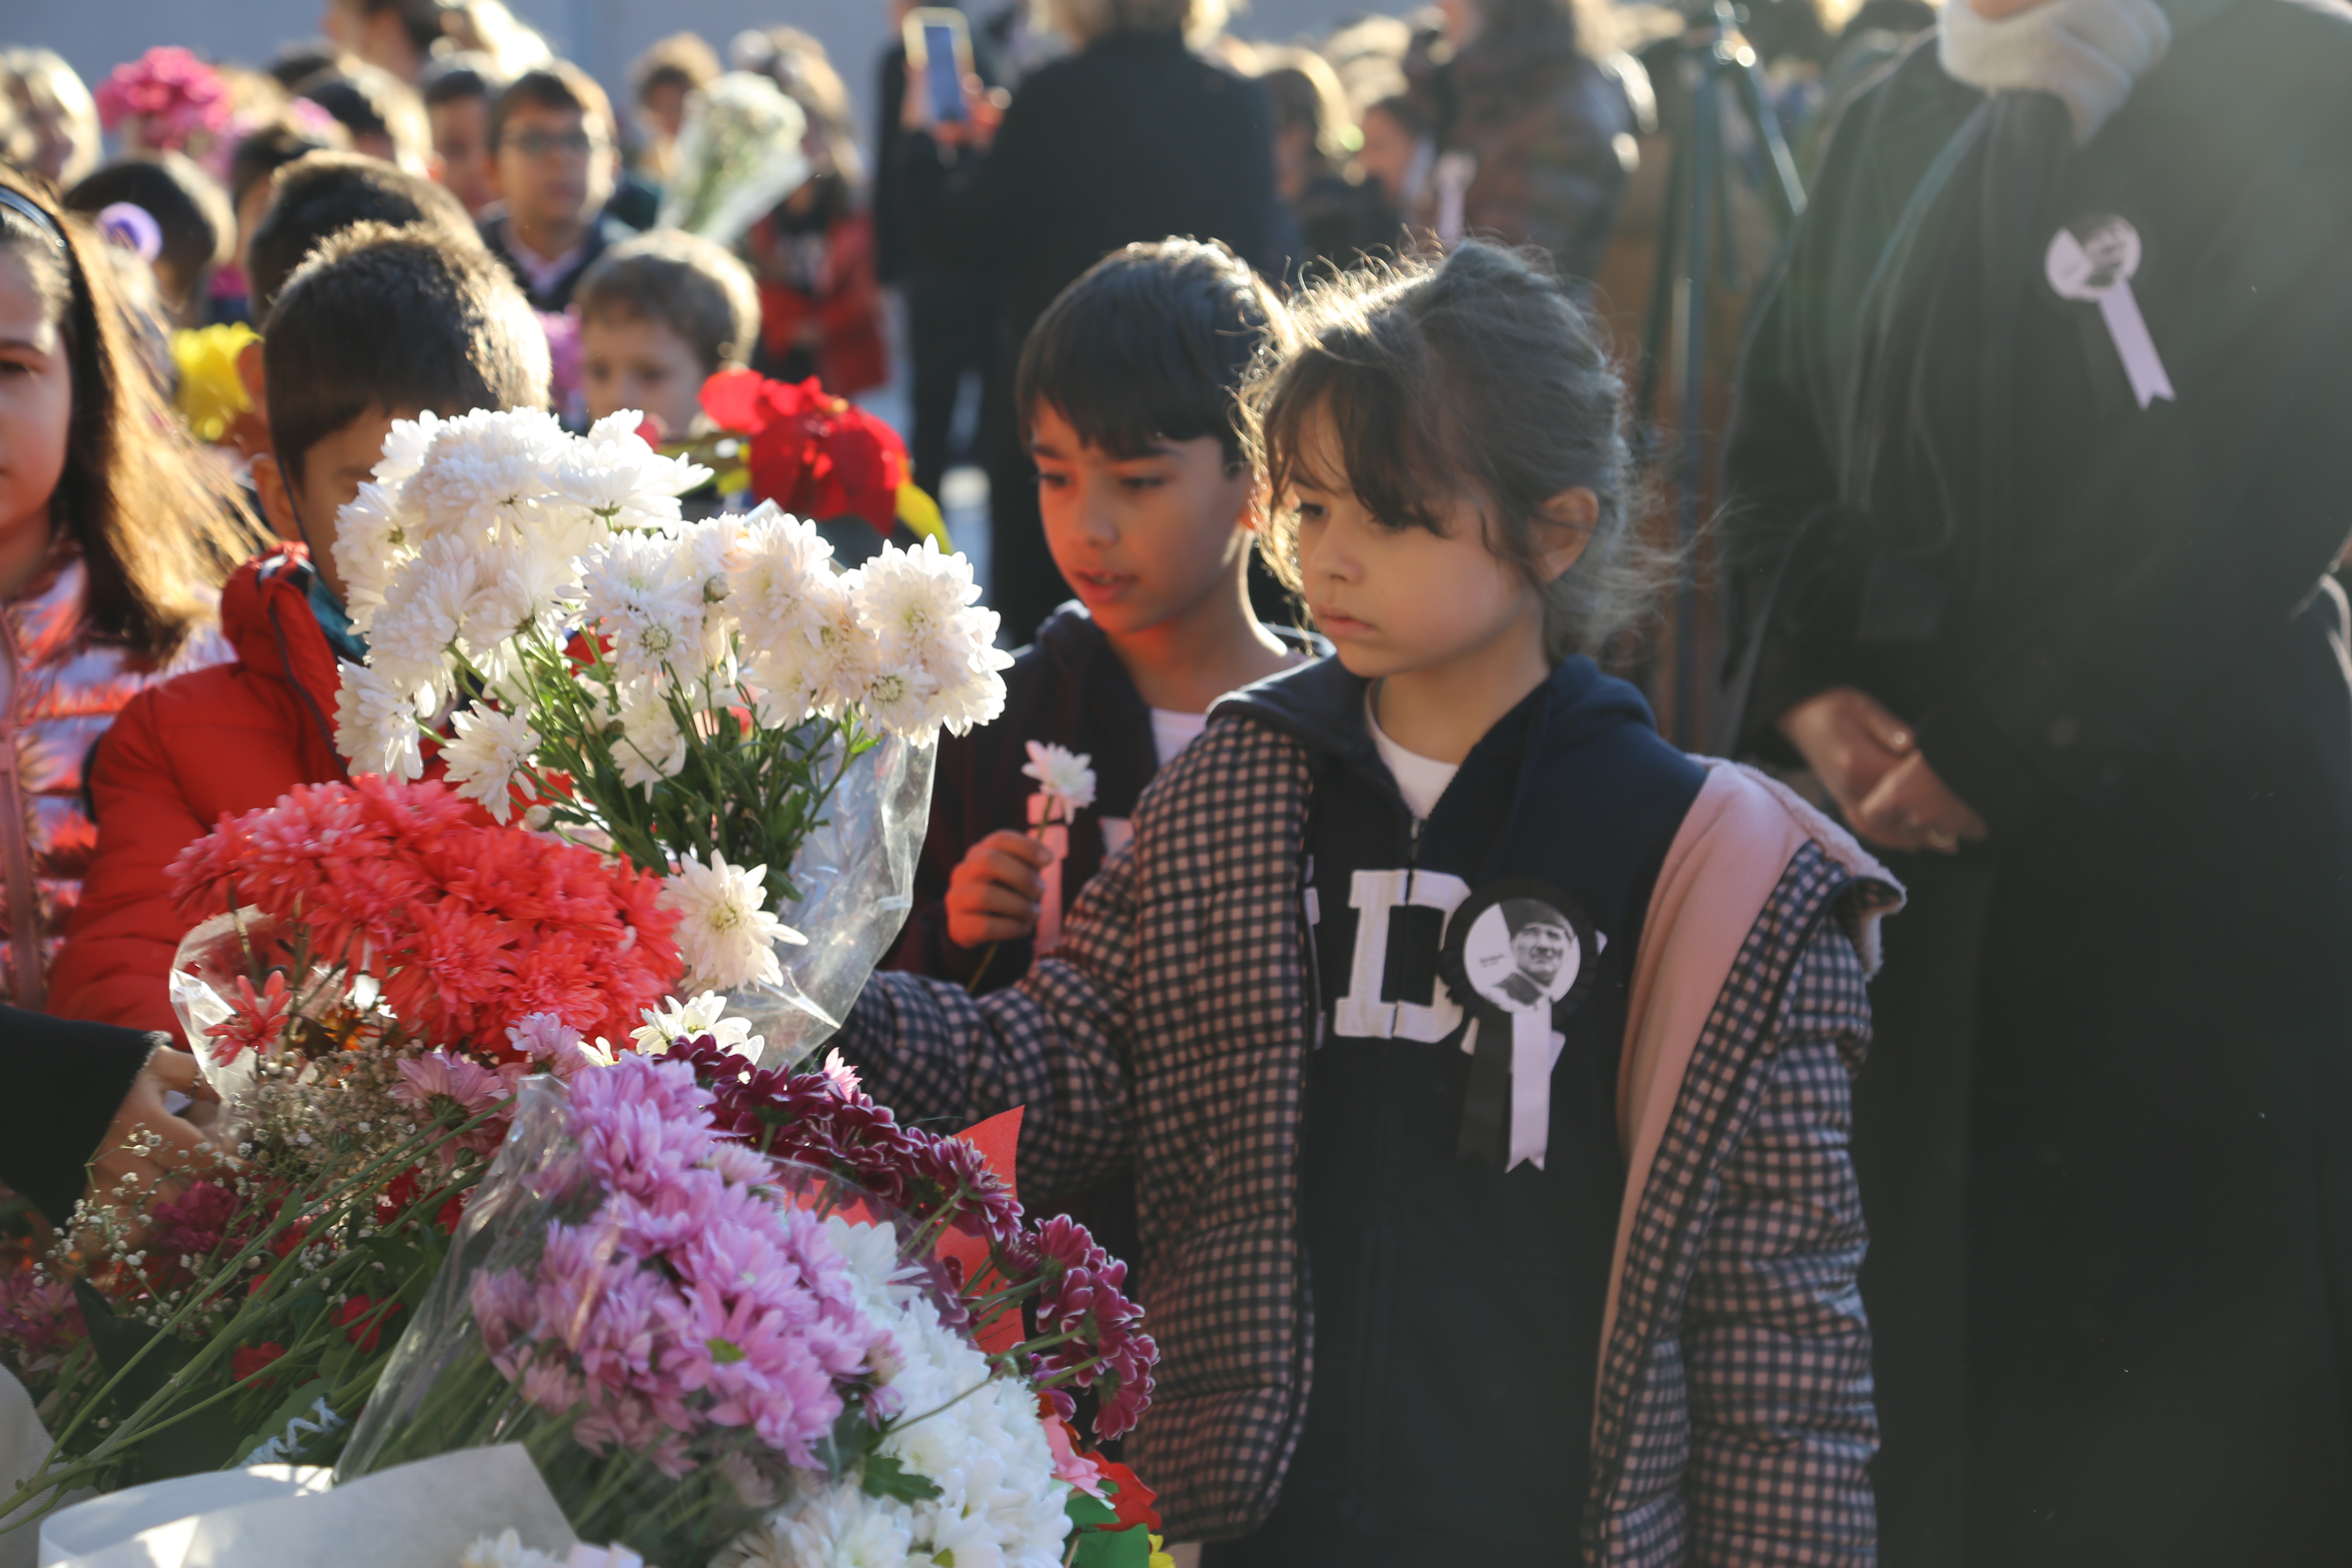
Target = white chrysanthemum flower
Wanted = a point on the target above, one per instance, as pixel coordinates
(784, 590)
(375, 725)
(489, 748)
(612, 475)
(705, 1014)
(724, 932)
(898, 700)
(524, 593)
(425, 607)
(841, 666)
(782, 695)
(506, 1552)
(405, 446)
(487, 468)
(980, 1440)
(651, 747)
(651, 614)
(828, 1526)
(1066, 778)
(370, 545)
(922, 606)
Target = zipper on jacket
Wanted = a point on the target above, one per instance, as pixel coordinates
(31, 986)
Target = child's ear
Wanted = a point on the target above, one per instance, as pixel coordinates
(277, 504)
(1563, 527)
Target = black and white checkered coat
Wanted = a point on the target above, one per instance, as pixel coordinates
(1734, 1415)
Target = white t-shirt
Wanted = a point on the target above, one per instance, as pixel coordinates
(1172, 732)
(1421, 779)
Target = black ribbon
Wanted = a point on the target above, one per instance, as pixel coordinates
(1487, 1107)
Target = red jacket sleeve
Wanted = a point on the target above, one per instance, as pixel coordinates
(118, 951)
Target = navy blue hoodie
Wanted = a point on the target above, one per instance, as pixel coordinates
(1457, 1305)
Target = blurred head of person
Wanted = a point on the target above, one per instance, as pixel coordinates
(1502, 22)
(798, 64)
(382, 113)
(382, 323)
(296, 62)
(396, 36)
(56, 113)
(664, 75)
(169, 213)
(89, 453)
(1391, 136)
(553, 155)
(1088, 22)
(458, 91)
(320, 195)
(660, 314)
(266, 149)
(1126, 394)
(1312, 133)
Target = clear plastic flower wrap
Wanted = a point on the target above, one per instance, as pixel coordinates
(662, 1322)
(854, 880)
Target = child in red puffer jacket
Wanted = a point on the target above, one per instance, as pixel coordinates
(380, 324)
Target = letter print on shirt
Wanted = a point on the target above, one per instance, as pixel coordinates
(1362, 1012)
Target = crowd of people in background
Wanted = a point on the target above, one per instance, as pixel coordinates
(1096, 124)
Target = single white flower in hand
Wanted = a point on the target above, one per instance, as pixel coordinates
(724, 931)
(1064, 778)
(489, 749)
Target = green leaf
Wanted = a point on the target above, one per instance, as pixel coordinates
(1128, 1548)
(1088, 1512)
(884, 1476)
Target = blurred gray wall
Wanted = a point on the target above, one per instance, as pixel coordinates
(602, 35)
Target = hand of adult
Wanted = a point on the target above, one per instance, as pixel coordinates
(1849, 740)
(994, 895)
(148, 1150)
(1913, 809)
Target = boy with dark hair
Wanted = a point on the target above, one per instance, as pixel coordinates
(380, 324)
(553, 162)
(382, 113)
(458, 91)
(659, 314)
(253, 167)
(320, 195)
(1126, 390)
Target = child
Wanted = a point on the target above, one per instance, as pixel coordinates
(110, 521)
(659, 314)
(324, 194)
(457, 91)
(1437, 1271)
(382, 113)
(379, 324)
(1127, 387)
(552, 161)
(173, 215)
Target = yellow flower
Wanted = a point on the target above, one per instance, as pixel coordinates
(211, 393)
(1161, 1559)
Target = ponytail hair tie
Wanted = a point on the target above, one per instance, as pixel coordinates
(132, 227)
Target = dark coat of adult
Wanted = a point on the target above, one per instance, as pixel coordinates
(1132, 140)
(66, 1080)
(2109, 627)
(1546, 126)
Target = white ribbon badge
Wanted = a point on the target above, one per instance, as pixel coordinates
(2097, 268)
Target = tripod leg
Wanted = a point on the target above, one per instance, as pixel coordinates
(1785, 186)
(1707, 151)
(1658, 329)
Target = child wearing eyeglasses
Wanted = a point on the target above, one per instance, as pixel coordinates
(553, 165)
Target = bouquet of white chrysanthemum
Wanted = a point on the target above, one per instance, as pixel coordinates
(739, 155)
(690, 694)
